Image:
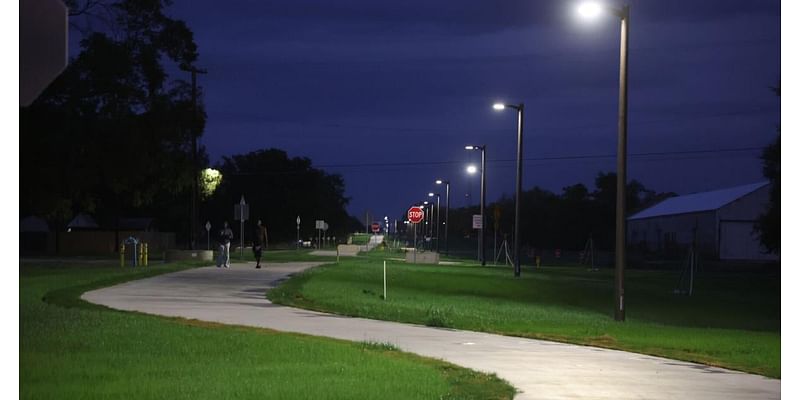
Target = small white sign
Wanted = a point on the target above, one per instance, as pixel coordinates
(320, 224)
(476, 222)
(208, 225)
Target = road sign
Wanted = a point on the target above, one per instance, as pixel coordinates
(208, 225)
(415, 215)
(42, 46)
(319, 224)
(376, 227)
(241, 211)
(298, 220)
(477, 223)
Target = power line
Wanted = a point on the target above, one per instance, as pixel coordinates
(668, 155)
(550, 158)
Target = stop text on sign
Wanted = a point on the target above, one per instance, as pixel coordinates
(415, 215)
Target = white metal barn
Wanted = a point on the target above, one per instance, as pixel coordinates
(724, 220)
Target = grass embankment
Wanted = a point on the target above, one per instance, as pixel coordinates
(733, 320)
(72, 349)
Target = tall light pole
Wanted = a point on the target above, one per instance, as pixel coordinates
(482, 237)
(446, 213)
(426, 225)
(520, 114)
(195, 168)
(438, 212)
(592, 10)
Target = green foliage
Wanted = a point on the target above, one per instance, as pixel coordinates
(70, 349)
(278, 189)
(733, 320)
(111, 134)
(769, 224)
(550, 220)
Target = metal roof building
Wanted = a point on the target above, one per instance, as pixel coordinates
(722, 221)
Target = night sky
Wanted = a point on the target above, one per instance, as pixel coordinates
(388, 93)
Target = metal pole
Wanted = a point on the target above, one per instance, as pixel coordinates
(195, 172)
(619, 271)
(241, 238)
(447, 221)
(437, 221)
(415, 243)
(193, 223)
(482, 238)
(520, 112)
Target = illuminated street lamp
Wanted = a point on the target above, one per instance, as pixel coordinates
(520, 113)
(481, 241)
(593, 10)
(446, 212)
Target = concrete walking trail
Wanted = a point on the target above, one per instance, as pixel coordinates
(539, 369)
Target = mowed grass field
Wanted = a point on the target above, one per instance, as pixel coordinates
(732, 320)
(70, 349)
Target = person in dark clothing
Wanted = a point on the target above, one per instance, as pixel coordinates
(259, 242)
(225, 238)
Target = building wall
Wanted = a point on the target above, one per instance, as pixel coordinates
(674, 233)
(737, 238)
(726, 233)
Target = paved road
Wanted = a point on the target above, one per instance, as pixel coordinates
(540, 369)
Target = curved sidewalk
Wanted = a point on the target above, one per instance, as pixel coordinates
(539, 369)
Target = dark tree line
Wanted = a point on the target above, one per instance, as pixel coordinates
(560, 220)
(769, 223)
(110, 135)
(278, 189)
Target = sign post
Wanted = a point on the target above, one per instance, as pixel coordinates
(241, 212)
(208, 235)
(297, 243)
(320, 225)
(415, 216)
(477, 223)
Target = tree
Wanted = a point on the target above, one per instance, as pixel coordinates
(279, 189)
(768, 225)
(111, 134)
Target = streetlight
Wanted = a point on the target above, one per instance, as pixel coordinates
(446, 213)
(481, 241)
(425, 225)
(438, 212)
(520, 111)
(593, 10)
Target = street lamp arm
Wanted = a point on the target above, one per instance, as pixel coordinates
(621, 13)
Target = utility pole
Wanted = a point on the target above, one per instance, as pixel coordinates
(195, 170)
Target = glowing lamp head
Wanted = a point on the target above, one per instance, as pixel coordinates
(471, 169)
(438, 181)
(430, 194)
(499, 106)
(589, 9)
(469, 147)
(425, 202)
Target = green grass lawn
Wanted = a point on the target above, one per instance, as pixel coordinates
(70, 349)
(733, 320)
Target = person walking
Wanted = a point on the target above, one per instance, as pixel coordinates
(259, 242)
(225, 238)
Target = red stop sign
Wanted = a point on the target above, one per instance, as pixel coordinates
(376, 227)
(415, 215)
